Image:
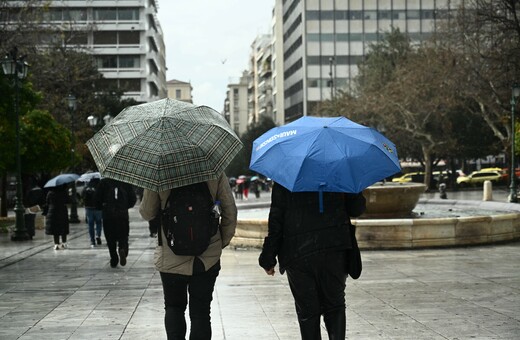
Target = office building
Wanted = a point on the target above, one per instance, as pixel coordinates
(124, 36)
(236, 105)
(324, 40)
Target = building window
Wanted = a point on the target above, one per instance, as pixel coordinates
(130, 85)
(105, 38)
(77, 38)
(177, 94)
(105, 14)
(130, 14)
(129, 38)
(106, 61)
(129, 61)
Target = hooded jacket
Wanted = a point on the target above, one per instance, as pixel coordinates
(168, 262)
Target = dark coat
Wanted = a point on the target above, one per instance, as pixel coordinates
(55, 211)
(298, 229)
(105, 197)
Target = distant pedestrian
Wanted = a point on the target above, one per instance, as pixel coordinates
(93, 214)
(245, 190)
(239, 193)
(114, 198)
(56, 215)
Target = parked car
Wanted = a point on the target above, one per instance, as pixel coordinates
(479, 177)
(417, 177)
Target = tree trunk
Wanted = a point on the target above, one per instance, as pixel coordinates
(427, 156)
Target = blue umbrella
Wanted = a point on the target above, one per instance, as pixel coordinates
(60, 180)
(331, 154)
(87, 176)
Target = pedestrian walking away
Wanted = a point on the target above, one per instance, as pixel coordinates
(191, 278)
(114, 198)
(311, 246)
(56, 215)
(93, 214)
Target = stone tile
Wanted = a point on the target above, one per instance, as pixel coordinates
(454, 293)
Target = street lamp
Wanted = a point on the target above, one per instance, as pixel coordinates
(16, 67)
(107, 119)
(73, 218)
(92, 121)
(515, 92)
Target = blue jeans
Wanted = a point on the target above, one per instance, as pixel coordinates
(94, 217)
(176, 288)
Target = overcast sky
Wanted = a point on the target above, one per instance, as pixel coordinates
(208, 42)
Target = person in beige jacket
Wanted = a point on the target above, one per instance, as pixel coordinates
(193, 275)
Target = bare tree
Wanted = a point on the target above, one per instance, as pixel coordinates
(485, 34)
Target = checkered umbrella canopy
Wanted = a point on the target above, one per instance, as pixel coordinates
(164, 144)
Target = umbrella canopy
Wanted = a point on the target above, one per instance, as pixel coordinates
(60, 180)
(164, 144)
(324, 154)
(86, 177)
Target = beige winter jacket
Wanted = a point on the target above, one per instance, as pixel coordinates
(165, 260)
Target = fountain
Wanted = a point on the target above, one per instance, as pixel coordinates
(391, 223)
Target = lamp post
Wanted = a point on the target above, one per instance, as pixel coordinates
(107, 119)
(331, 74)
(73, 218)
(92, 121)
(515, 92)
(16, 67)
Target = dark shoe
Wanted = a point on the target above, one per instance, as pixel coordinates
(98, 240)
(122, 256)
(113, 262)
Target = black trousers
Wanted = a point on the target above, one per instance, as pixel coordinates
(199, 287)
(116, 230)
(317, 284)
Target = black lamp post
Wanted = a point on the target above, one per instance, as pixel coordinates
(92, 121)
(107, 119)
(515, 92)
(17, 68)
(73, 218)
(331, 81)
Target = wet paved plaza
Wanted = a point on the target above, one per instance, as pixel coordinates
(453, 293)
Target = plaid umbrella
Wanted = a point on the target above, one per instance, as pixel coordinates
(164, 144)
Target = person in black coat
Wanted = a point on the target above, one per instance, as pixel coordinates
(114, 198)
(311, 247)
(56, 215)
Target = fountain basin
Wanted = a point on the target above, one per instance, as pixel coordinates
(392, 200)
(501, 225)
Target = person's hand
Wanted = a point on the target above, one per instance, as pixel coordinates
(270, 271)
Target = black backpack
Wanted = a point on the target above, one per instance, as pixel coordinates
(116, 199)
(89, 196)
(190, 219)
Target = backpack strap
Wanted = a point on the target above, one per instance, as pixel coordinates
(160, 229)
